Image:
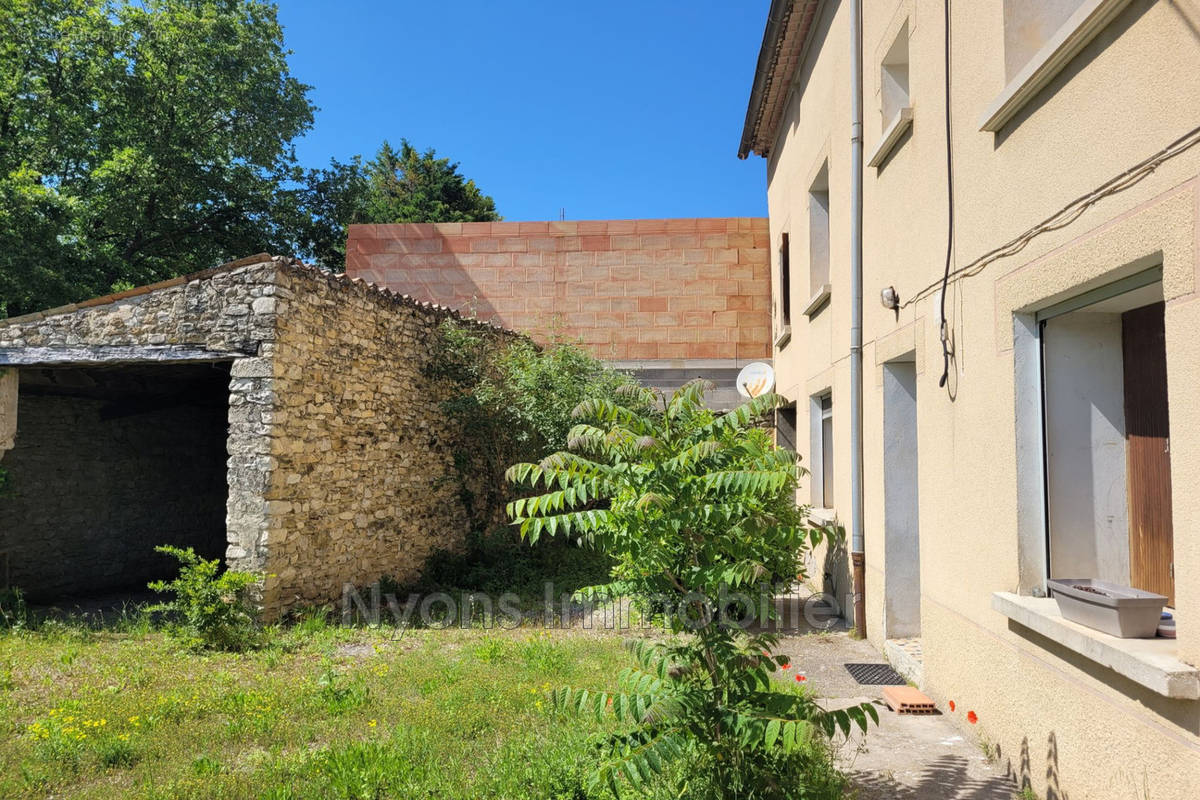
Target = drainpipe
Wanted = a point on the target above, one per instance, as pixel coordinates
(856, 315)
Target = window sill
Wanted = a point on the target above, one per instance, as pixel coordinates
(1153, 663)
(818, 301)
(784, 336)
(1073, 36)
(891, 135)
(822, 515)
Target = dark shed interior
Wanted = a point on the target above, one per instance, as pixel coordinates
(110, 461)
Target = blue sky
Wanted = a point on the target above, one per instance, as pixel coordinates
(612, 109)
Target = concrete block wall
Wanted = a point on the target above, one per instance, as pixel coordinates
(629, 290)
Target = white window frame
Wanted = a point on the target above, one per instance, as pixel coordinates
(820, 249)
(896, 124)
(822, 484)
(1074, 35)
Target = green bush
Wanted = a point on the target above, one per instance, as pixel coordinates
(495, 562)
(211, 609)
(514, 402)
(692, 507)
(14, 613)
(535, 390)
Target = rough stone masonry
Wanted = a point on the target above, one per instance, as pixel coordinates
(341, 461)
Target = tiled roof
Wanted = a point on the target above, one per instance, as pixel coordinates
(341, 278)
(789, 25)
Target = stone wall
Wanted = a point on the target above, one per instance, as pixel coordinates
(341, 462)
(8, 409)
(223, 313)
(222, 310)
(364, 482)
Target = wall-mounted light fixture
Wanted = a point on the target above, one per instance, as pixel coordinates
(890, 299)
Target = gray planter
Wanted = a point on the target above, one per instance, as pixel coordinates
(1115, 610)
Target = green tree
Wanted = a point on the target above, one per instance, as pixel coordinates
(409, 186)
(694, 508)
(138, 141)
(404, 185)
(325, 202)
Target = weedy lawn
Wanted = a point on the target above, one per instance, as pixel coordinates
(321, 711)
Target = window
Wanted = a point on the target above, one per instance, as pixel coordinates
(785, 281)
(1040, 38)
(893, 87)
(785, 427)
(894, 103)
(821, 429)
(1028, 26)
(818, 241)
(1107, 438)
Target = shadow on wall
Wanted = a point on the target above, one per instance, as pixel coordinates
(436, 273)
(1184, 714)
(947, 778)
(835, 573)
(1023, 774)
(1188, 16)
(1111, 33)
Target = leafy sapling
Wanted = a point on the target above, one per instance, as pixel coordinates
(693, 507)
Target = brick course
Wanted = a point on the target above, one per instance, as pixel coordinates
(626, 289)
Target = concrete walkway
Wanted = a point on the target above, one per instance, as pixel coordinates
(904, 757)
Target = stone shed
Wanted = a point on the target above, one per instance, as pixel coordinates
(264, 411)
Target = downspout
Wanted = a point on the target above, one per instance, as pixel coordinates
(857, 549)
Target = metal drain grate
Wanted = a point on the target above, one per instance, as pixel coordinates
(875, 675)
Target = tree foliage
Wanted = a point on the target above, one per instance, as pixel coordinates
(514, 402)
(397, 185)
(139, 140)
(693, 507)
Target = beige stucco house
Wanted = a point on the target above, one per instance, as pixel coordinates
(1062, 437)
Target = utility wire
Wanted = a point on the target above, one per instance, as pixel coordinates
(1064, 216)
(945, 334)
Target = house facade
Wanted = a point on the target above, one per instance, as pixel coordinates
(1030, 351)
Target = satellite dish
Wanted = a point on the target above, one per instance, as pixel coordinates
(756, 378)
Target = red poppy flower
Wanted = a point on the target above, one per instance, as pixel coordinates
(801, 678)
(951, 705)
(971, 718)
(786, 666)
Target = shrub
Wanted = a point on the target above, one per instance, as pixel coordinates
(692, 507)
(514, 402)
(14, 612)
(535, 390)
(211, 609)
(494, 563)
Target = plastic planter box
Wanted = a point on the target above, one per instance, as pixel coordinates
(1116, 610)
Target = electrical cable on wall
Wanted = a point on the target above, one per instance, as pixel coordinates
(1065, 215)
(945, 334)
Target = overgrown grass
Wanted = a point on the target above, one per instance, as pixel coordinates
(321, 711)
(113, 706)
(498, 562)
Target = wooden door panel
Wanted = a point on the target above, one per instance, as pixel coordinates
(1148, 451)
